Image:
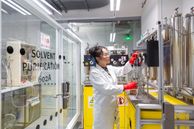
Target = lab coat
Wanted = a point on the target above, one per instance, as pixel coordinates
(105, 91)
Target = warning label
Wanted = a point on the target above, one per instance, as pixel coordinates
(90, 101)
(121, 101)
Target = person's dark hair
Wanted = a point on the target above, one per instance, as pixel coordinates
(96, 51)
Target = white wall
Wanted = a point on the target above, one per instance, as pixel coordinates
(149, 16)
(168, 7)
(186, 6)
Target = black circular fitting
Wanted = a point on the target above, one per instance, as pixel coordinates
(22, 51)
(45, 122)
(59, 56)
(56, 113)
(51, 118)
(38, 127)
(10, 49)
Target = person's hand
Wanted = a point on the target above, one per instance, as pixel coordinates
(136, 59)
(133, 58)
(130, 85)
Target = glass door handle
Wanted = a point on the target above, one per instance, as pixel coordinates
(57, 95)
(66, 97)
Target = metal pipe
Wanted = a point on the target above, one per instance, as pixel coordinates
(161, 65)
(185, 108)
(177, 122)
(151, 121)
(138, 117)
(184, 122)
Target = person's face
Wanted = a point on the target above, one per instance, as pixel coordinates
(104, 59)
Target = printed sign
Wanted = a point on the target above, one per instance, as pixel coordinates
(90, 101)
(45, 41)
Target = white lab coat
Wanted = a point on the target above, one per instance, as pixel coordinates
(105, 91)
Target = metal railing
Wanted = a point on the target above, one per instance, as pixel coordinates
(177, 108)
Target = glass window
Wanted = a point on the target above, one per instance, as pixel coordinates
(69, 52)
(28, 69)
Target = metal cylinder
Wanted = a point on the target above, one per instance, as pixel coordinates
(176, 51)
(185, 58)
(165, 31)
(190, 42)
(153, 73)
(166, 45)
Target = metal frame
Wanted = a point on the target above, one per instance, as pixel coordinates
(78, 87)
(177, 108)
(77, 61)
(0, 69)
(161, 65)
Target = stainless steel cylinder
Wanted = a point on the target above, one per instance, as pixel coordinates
(190, 42)
(166, 46)
(185, 58)
(176, 51)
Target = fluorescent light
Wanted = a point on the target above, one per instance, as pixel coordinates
(112, 5)
(4, 11)
(118, 3)
(50, 6)
(43, 7)
(5, 2)
(113, 37)
(19, 7)
(110, 37)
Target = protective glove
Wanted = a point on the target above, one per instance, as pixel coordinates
(130, 85)
(136, 59)
(133, 58)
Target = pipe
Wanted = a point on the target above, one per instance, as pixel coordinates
(161, 66)
(177, 122)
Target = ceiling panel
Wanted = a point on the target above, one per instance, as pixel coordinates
(65, 5)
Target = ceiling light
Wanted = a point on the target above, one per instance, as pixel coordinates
(50, 6)
(118, 4)
(115, 5)
(110, 37)
(10, 5)
(111, 5)
(43, 7)
(113, 37)
(4, 11)
(19, 7)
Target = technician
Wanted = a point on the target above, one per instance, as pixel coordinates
(104, 80)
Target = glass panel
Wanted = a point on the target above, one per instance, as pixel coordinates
(28, 71)
(70, 76)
